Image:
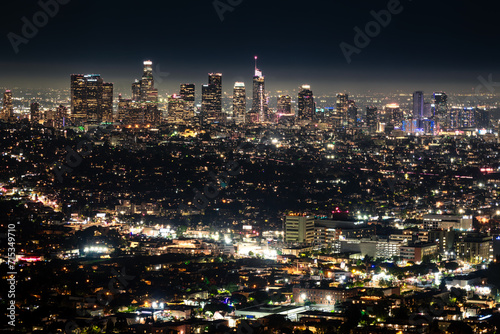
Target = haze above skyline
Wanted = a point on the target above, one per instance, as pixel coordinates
(428, 46)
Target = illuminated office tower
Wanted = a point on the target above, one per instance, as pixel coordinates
(94, 91)
(259, 100)
(418, 107)
(136, 91)
(176, 108)
(87, 98)
(144, 90)
(35, 111)
(107, 102)
(352, 114)
(187, 93)
(462, 117)
(215, 82)
(148, 91)
(206, 114)
(393, 116)
(126, 113)
(371, 118)
(284, 104)
(455, 115)
(483, 118)
(441, 110)
(306, 105)
(211, 99)
(8, 108)
(78, 98)
(239, 101)
(145, 95)
(341, 114)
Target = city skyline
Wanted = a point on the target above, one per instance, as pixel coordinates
(390, 60)
(250, 167)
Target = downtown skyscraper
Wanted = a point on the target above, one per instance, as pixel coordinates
(187, 93)
(371, 118)
(91, 98)
(143, 108)
(259, 111)
(8, 108)
(239, 102)
(441, 115)
(341, 111)
(34, 111)
(306, 106)
(418, 107)
(284, 104)
(211, 99)
(148, 92)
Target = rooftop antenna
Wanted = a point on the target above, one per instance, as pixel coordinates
(255, 65)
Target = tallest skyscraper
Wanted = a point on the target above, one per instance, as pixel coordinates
(148, 92)
(259, 101)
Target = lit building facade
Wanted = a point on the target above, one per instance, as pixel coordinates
(259, 100)
(239, 101)
(306, 106)
(187, 93)
(91, 98)
(299, 229)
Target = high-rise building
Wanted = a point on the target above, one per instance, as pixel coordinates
(148, 91)
(371, 118)
(483, 118)
(418, 107)
(187, 93)
(129, 111)
(145, 95)
(239, 101)
(341, 112)
(35, 111)
(87, 98)
(211, 99)
(107, 102)
(352, 114)
(8, 107)
(393, 116)
(462, 117)
(215, 82)
(441, 110)
(176, 107)
(94, 98)
(299, 229)
(259, 100)
(306, 106)
(284, 104)
(136, 91)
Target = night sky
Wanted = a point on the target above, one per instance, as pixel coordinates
(430, 45)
